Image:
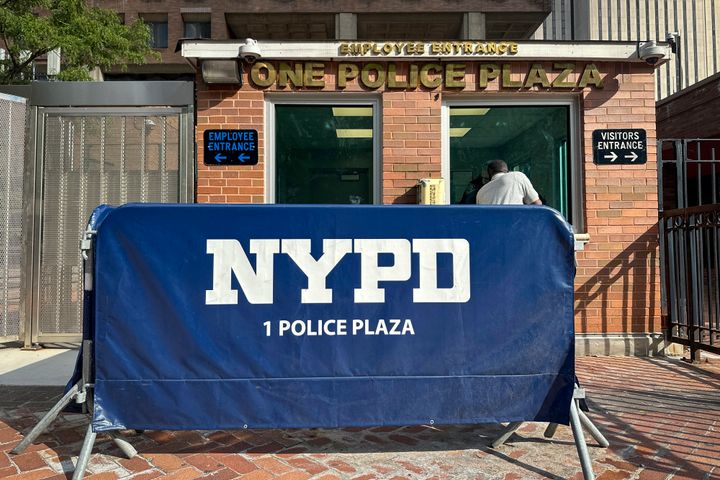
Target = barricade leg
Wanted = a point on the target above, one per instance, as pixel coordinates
(550, 430)
(509, 430)
(84, 454)
(578, 420)
(592, 429)
(580, 442)
(123, 444)
(47, 419)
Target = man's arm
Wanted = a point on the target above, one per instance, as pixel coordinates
(531, 196)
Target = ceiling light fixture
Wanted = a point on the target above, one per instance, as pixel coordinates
(466, 112)
(352, 111)
(354, 132)
(459, 132)
(222, 71)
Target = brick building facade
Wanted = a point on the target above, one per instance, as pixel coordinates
(317, 20)
(617, 284)
(692, 112)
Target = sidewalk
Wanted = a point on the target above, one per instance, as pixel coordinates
(44, 367)
(662, 418)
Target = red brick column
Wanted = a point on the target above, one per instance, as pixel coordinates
(617, 283)
(411, 143)
(219, 107)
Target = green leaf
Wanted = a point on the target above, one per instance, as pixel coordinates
(88, 37)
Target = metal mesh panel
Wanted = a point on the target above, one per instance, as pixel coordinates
(91, 160)
(12, 153)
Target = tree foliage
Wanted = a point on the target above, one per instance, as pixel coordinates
(88, 37)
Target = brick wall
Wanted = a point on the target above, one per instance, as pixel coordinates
(692, 112)
(617, 284)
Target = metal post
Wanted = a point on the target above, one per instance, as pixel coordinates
(592, 429)
(127, 449)
(550, 430)
(47, 419)
(35, 213)
(86, 376)
(28, 233)
(695, 318)
(663, 283)
(580, 442)
(680, 173)
(509, 430)
(84, 454)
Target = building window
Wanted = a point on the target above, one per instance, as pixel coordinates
(325, 154)
(158, 32)
(530, 139)
(197, 30)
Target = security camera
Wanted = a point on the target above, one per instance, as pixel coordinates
(673, 39)
(651, 52)
(250, 50)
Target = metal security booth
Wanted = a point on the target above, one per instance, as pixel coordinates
(89, 144)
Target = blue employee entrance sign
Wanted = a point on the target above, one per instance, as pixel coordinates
(619, 146)
(267, 316)
(230, 147)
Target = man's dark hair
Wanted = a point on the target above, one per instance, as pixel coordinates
(496, 166)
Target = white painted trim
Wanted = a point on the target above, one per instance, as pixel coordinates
(523, 100)
(269, 151)
(528, 50)
(272, 99)
(445, 147)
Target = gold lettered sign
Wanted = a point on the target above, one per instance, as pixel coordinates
(455, 48)
(409, 76)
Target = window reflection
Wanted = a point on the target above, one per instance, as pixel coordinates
(324, 154)
(533, 140)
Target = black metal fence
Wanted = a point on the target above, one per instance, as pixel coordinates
(688, 173)
(690, 239)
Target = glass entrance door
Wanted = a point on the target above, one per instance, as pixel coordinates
(324, 154)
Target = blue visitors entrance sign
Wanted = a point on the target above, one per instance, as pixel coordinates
(231, 147)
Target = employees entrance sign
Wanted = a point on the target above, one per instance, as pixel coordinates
(230, 147)
(268, 316)
(620, 146)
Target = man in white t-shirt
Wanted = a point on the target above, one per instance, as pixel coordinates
(506, 188)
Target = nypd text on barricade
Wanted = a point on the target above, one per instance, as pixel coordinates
(229, 258)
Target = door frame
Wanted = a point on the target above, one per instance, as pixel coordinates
(320, 99)
(575, 156)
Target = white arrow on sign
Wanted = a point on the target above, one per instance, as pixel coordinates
(633, 156)
(612, 156)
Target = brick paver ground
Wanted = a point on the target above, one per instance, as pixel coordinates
(662, 418)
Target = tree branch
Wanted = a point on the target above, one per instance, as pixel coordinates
(18, 69)
(9, 50)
